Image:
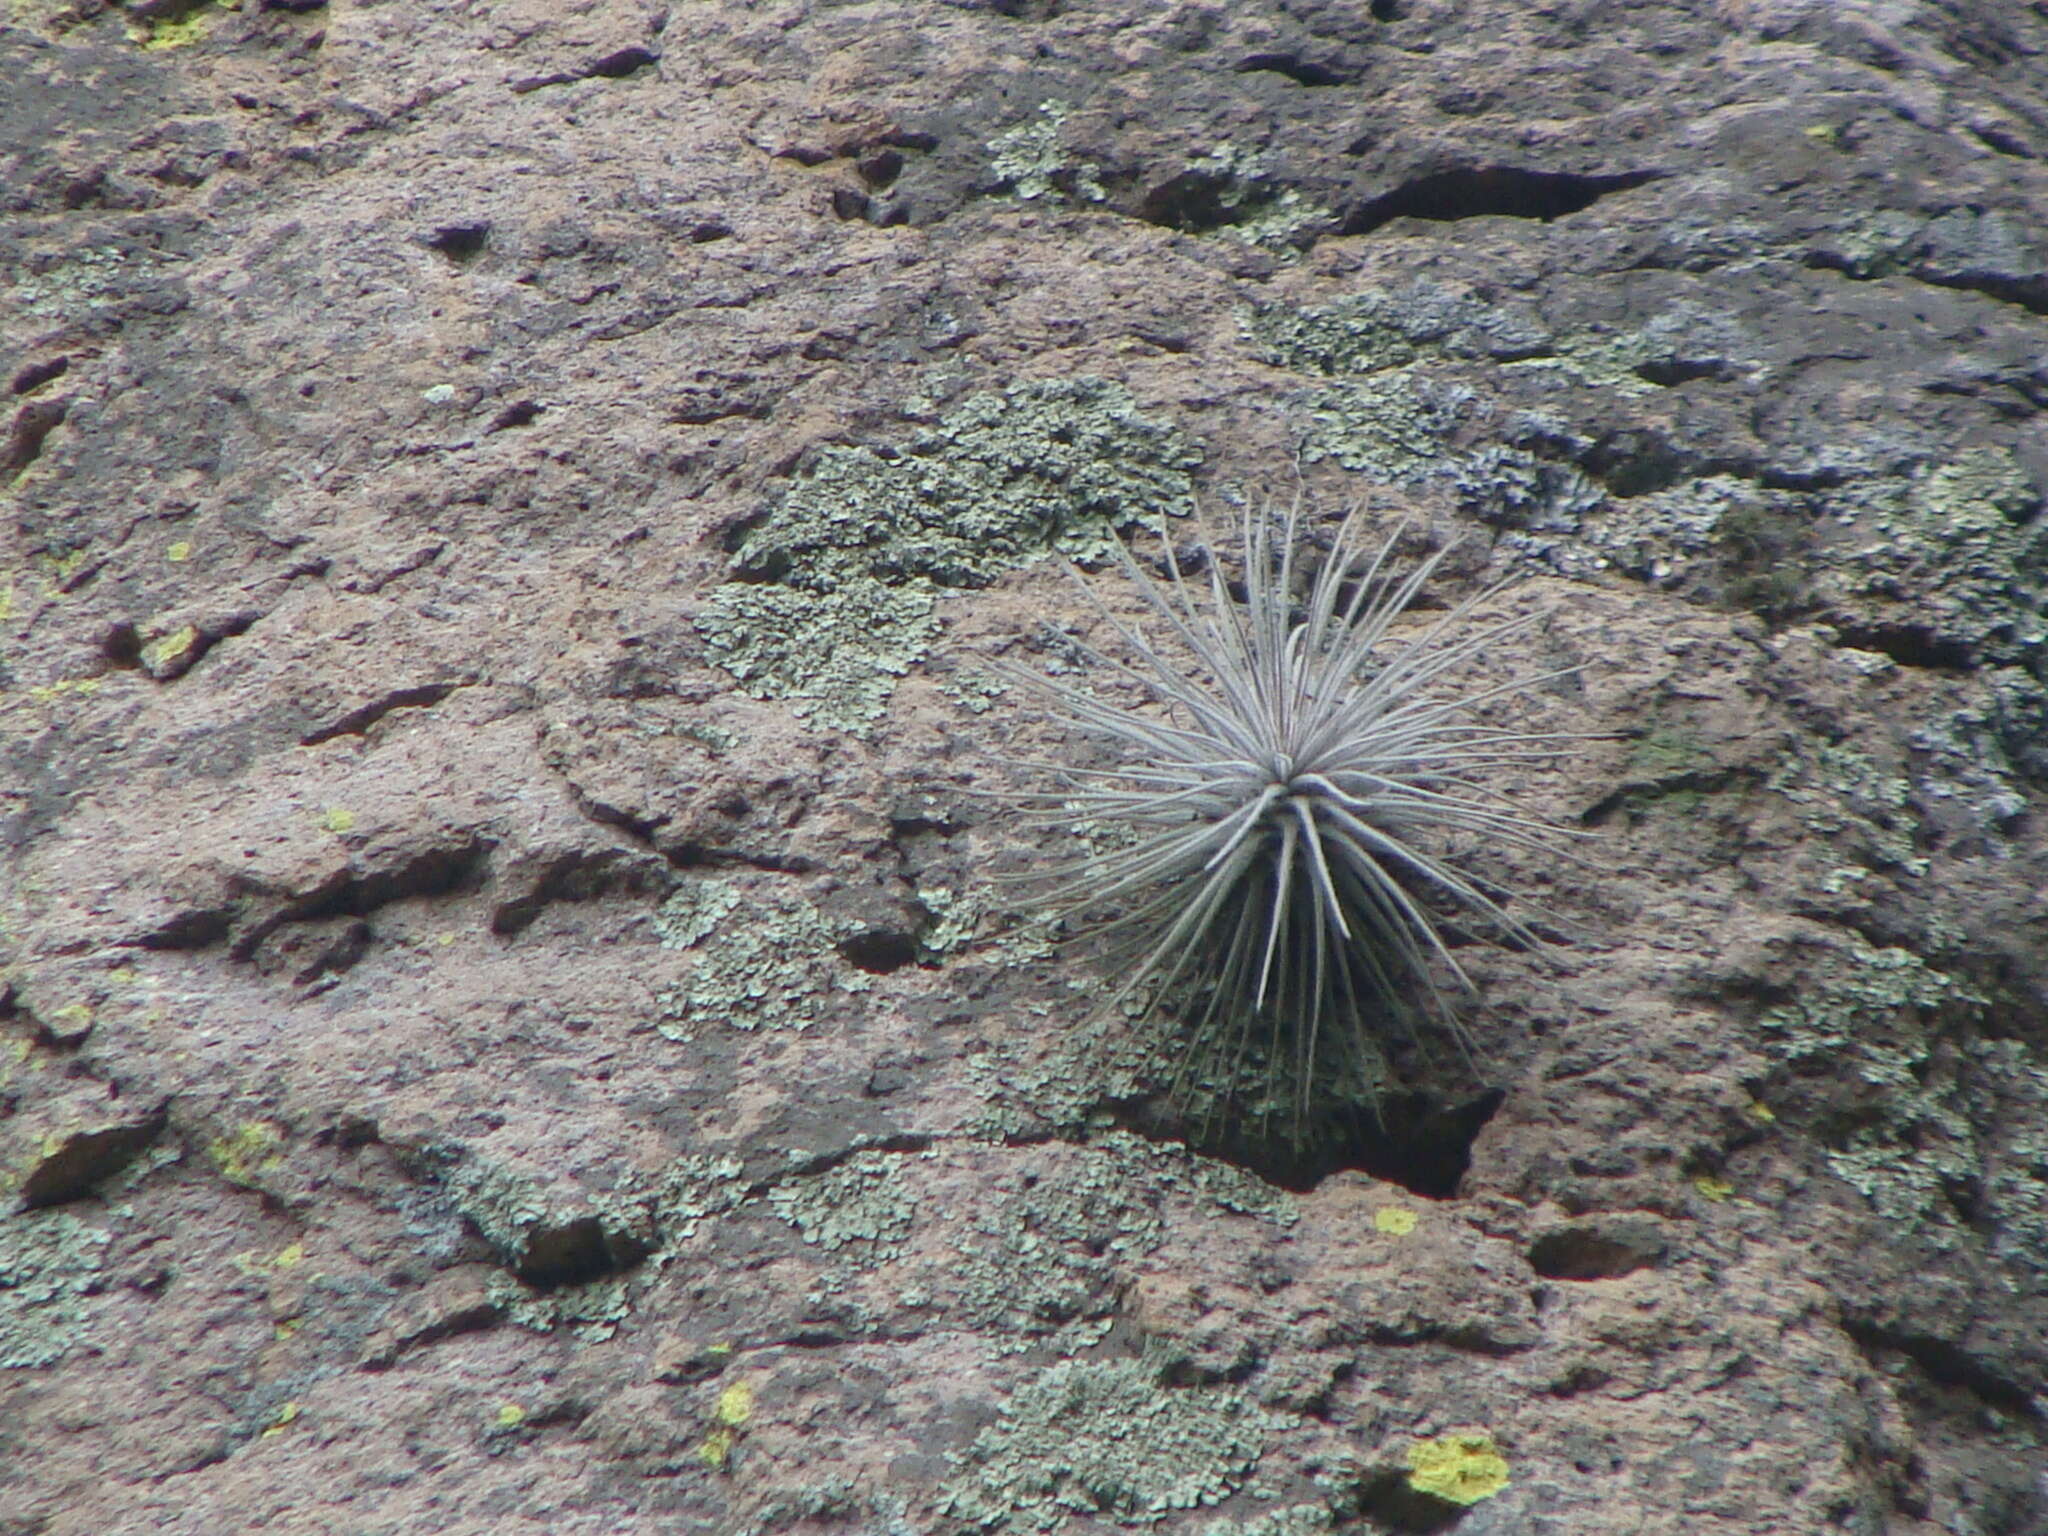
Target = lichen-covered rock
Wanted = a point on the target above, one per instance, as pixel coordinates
(516, 527)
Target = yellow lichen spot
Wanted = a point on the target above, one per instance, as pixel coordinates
(45, 692)
(124, 975)
(716, 1450)
(510, 1416)
(735, 1405)
(179, 552)
(336, 820)
(1759, 1112)
(168, 651)
(1458, 1468)
(444, 939)
(6, 604)
(1395, 1220)
(288, 1414)
(72, 1019)
(250, 1149)
(1712, 1187)
(290, 1256)
(286, 1327)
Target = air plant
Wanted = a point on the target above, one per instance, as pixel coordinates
(1270, 867)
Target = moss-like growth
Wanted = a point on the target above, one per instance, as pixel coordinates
(1104, 1439)
(49, 1265)
(839, 583)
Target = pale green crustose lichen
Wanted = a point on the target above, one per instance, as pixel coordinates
(50, 1265)
(773, 965)
(839, 584)
(1104, 1440)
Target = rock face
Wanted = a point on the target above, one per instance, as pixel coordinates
(509, 1022)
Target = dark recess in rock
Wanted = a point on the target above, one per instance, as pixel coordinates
(616, 66)
(196, 929)
(360, 719)
(1296, 68)
(878, 951)
(520, 413)
(459, 242)
(579, 876)
(1419, 1142)
(1387, 1502)
(84, 1158)
(32, 424)
(36, 375)
(1491, 191)
(1594, 1252)
(1947, 1363)
(574, 1253)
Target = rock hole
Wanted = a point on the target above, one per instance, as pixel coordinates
(36, 375)
(574, 1253)
(878, 951)
(1670, 371)
(1496, 190)
(1594, 1253)
(616, 66)
(1420, 1142)
(459, 242)
(1388, 10)
(1390, 1503)
(1301, 71)
(33, 423)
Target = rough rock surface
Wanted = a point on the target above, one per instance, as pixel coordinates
(506, 1025)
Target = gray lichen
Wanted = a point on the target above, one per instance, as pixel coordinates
(770, 964)
(49, 1268)
(841, 580)
(1390, 328)
(866, 1199)
(1898, 1131)
(1104, 1439)
(1031, 160)
(1948, 554)
(1395, 424)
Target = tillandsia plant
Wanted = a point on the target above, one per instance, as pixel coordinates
(1270, 864)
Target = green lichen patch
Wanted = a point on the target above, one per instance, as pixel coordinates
(835, 655)
(1389, 328)
(1862, 808)
(248, 1152)
(49, 1268)
(865, 1200)
(1032, 160)
(1868, 1022)
(1004, 479)
(1394, 425)
(771, 963)
(1104, 1439)
(839, 583)
(1949, 561)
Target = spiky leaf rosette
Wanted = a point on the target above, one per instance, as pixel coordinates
(1278, 829)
